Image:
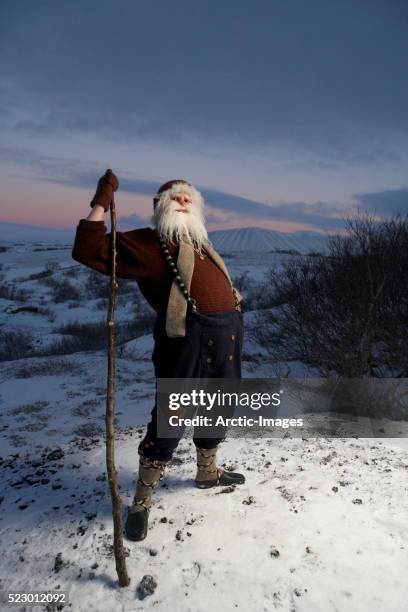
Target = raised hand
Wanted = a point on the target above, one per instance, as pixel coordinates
(107, 184)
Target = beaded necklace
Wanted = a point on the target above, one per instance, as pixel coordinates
(175, 271)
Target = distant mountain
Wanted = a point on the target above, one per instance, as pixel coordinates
(243, 239)
(261, 240)
(19, 232)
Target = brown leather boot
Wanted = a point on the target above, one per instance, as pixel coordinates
(209, 475)
(150, 473)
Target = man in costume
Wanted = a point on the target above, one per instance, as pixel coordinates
(198, 331)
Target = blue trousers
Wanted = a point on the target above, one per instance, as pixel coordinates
(211, 348)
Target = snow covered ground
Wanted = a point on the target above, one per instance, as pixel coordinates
(320, 524)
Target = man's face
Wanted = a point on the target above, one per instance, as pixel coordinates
(180, 208)
(180, 212)
(184, 202)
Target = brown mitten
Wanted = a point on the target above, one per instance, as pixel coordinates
(107, 184)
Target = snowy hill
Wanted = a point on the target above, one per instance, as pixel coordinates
(20, 232)
(259, 239)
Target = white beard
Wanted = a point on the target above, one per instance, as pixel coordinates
(172, 225)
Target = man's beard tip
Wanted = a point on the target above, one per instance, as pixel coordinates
(173, 226)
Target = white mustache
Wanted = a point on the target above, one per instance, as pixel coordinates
(174, 205)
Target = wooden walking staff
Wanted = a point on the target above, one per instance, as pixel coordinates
(119, 551)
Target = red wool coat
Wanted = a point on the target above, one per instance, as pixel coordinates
(139, 257)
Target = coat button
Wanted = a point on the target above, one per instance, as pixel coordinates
(230, 357)
(232, 337)
(209, 359)
(210, 342)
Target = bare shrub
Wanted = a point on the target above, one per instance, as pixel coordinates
(345, 314)
(37, 426)
(94, 336)
(88, 430)
(102, 304)
(141, 324)
(63, 290)
(29, 408)
(86, 408)
(243, 281)
(15, 345)
(47, 312)
(50, 268)
(286, 251)
(96, 285)
(256, 295)
(250, 357)
(9, 291)
(17, 440)
(80, 337)
(47, 367)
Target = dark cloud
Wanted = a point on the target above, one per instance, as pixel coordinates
(389, 202)
(73, 171)
(324, 215)
(321, 214)
(255, 73)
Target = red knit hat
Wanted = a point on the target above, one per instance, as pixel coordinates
(171, 183)
(168, 185)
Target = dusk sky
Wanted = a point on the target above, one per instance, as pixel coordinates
(286, 115)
